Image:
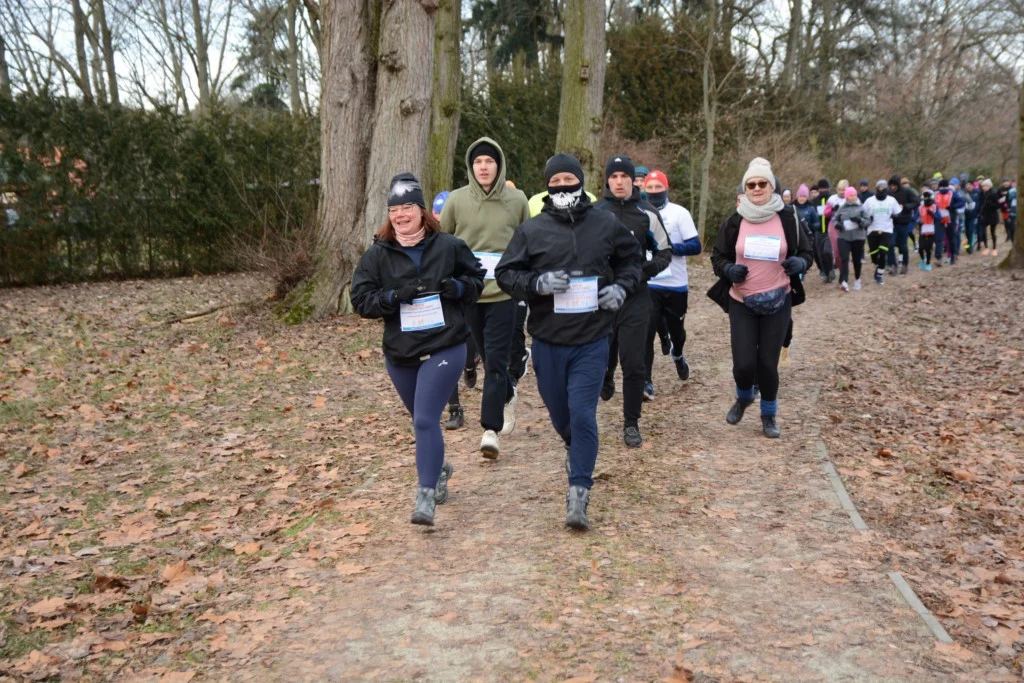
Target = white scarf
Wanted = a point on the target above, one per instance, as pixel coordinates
(760, 214)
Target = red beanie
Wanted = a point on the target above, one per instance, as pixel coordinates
(656, 175)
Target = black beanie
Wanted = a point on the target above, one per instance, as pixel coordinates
(943, 183)
(895, 180)
(485, 149)
(823, 184)
(619, 163)
(405, 189)
(562, 163)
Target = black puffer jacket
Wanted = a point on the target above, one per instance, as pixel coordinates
(385, 267)
(909, 200)
(644, 221)
(582, 240)
(724, 253)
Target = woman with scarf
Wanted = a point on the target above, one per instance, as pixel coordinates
(759, 256)
(418, 278)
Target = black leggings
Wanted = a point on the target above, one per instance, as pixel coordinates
(669, 309)
(988, 227)
(927, 244)
(627, 346)
(878, 246)
(756, 345)
(472, 360)
(847, 247)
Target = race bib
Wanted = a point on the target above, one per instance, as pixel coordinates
(821, 210)
(424, 313)
(581, 297)
(850, 225)
(762, 248)
(488, 260)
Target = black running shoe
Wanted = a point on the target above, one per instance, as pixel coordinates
(608, 389)
(736, 412)
(631, 436)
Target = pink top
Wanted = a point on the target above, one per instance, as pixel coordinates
(767, 240)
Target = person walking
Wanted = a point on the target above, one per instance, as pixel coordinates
(824, 256)
(575, 267)
(972, 196)
(484, 214)
(669, 289)
(989, 217)
(418, 279)
(929, 214)
(622, 199)
(1011, 214)
(882, 210)
(805, 210)
(759, 256)
(903, 223)
(852, 220)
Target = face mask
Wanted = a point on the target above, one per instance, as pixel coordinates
(659, 199)
(880, 194)
(565, 196)
(929, 201)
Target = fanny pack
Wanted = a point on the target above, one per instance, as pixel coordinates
(766, 303)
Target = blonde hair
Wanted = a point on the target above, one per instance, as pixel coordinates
(842, 185)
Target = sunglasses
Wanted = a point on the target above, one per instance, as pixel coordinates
(759, 184)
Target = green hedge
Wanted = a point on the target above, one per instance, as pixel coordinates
(105, 192)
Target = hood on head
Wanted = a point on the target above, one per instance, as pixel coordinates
(499, 182)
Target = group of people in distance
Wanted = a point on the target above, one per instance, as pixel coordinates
(940, 219)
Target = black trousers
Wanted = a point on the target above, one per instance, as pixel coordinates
(927, 244)
(847, 247)
(879, 244)
(628, 339)
(493, 326)
(517, 355)
(472, 360)
(756, 346)
(667, 308)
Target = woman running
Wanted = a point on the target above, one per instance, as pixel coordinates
(417, 279)
(759, 257)
(852, 222)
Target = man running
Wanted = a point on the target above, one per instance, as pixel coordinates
(484, 214)
(622, 199)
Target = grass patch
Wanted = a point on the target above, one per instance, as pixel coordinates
(19, 642)
(21, 413)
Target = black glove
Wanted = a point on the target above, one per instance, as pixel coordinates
(650, 269)
(450, 288)
(794, 265)
(430, 286)
(406, 293)
(735, 272)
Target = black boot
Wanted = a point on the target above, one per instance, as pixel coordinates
(770, 427)
(456, 418)
(736, 412)
(608, 388)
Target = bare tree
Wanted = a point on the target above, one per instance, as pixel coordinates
(5, 72)
(447, 96)
(108, 51)
(80, 27)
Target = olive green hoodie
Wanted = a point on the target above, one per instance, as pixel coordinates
(485, 220)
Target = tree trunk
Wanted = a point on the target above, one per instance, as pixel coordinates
(293, 59)
(444, 112)
(202, 57)
(1016, 260)
(5, 72)
(789, 66)
(174, 49)
(83, 64)
(709, 103)
(579, 112)
(350, 29)
(108, 52)
(401, 125)
(99, 87)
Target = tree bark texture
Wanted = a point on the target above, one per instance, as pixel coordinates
(98, 84)
(5, 72)
(579, 113)
(447, 94)
(202, 57)
(401, 124)
(347, 96)
(108, 52)
(710, 108)
(294, 93)
(1017, 254)
(83, 65)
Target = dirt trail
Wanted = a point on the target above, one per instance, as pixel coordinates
(712, 547)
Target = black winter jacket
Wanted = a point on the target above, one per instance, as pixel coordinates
(385, 267)
(909, 200)
(644, 221)
(990, 205)
(724, 253)
(580, 239)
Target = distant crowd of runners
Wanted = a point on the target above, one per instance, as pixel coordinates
(595, 281)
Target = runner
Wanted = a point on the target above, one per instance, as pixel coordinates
(787, 197)
(456, 415)
(575, 267)
(669, 289)
(418, 279)
(484, 214)
(622, 199)
(805, 210)
(824, 256)
(1011, 222)
(972, 196)
(989, 217)
(863, 190)
(929, 212)
(852, 220)
(759, 257)
(882, 209)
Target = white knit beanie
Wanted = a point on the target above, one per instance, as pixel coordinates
(759, 168)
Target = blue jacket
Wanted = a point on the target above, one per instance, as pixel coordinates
(808, 215)
(976, 197)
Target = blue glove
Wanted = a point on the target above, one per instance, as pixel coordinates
(794, 265)
(735, 272)
(610, 298)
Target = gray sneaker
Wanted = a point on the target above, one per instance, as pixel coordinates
(424, 512)
(441, 493)
(576, 502)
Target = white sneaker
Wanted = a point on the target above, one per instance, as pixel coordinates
(510, 413)
(843, 286)
(856, 285)
(489, 445)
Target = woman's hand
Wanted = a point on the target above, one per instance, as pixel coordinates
(736, 272)
(406, 293)
(451, 289)
(794, 265)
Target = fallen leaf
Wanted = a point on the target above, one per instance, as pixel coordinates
(47, 607)
(248, 548)
(346, 569)
(179, 571)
